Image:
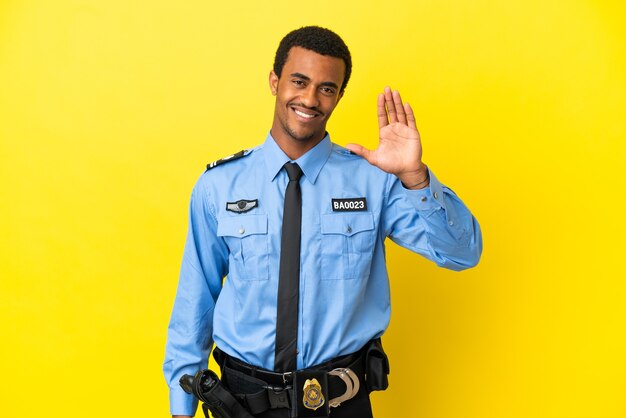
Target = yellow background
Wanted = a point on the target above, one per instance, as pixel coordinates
(110, 109)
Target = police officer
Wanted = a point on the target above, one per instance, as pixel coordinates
(310, 292)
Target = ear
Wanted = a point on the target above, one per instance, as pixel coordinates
(273, 83)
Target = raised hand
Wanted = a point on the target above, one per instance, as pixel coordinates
(399, 148)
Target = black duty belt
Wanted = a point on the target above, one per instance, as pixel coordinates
(323, 386)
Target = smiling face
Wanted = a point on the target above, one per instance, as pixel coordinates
(306, 95)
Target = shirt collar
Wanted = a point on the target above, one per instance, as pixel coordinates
(311, 163)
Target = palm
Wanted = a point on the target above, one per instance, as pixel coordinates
(399, 149)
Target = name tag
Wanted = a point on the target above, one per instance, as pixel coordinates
(356, 204)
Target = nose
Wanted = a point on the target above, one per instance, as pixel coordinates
(309, 97)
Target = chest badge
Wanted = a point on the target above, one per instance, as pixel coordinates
(313, 397)
(354, 204)
(242, 206)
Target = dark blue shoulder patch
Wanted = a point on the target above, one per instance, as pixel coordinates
(224, 160)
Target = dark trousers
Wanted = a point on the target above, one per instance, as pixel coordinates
(354, 408)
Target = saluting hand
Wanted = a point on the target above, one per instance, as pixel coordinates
(399, 149)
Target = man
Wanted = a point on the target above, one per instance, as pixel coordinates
(307, 292)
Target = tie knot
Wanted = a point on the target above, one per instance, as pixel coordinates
(293, 171)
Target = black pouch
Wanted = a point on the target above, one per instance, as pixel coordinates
(208, 388)
(310, 394)
(376, 366)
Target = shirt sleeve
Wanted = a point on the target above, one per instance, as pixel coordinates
(189, 336)
(432, 222)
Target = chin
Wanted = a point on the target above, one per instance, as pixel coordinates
(305, 136)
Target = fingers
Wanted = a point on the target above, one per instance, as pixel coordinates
(397, 102)
(392, 103)
(382, 113)
(391, 108)
(410, 117)
(361, 151)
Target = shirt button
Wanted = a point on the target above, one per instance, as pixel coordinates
(349, 229)
(435, 195)
(450, 223)
(241, 230)
(424, 199)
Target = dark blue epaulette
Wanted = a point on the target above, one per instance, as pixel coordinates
(230, 158)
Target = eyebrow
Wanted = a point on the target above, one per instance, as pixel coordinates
(304, 77)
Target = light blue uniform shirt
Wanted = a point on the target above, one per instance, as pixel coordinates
(344, 287)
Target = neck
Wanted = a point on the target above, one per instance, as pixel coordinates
(295, 148)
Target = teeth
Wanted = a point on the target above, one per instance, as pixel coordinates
(304, 115)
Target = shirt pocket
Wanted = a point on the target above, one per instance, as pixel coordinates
(247, 240)
(347, 245)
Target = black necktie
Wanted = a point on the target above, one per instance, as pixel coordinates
(289, 275)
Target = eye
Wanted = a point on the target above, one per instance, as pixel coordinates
(329, 91)
(298, 83)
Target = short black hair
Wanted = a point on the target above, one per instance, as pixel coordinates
(314, 38)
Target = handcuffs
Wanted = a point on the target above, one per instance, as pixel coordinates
(352, 385)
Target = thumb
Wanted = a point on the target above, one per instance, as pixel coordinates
(361, 151)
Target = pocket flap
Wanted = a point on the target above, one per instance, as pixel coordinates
(347, 223)
(241, 225)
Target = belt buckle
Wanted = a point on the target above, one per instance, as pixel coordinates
(285, 376)
(352, 385)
